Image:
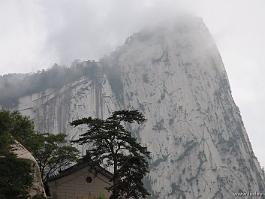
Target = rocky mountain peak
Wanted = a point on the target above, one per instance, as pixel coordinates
(173, 74)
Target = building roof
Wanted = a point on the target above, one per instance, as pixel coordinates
(84, 162)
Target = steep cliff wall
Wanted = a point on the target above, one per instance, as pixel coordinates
(52, 110)
(175, 76)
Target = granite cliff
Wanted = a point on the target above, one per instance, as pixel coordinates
(174, 74)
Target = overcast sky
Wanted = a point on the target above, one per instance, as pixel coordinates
(34, 34)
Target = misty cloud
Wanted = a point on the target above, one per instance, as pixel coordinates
(36, 34)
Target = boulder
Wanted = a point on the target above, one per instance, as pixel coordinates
(37, 187)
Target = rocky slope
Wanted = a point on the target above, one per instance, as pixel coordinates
(174, 74)
(37, 187)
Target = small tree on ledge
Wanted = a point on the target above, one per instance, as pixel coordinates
(113, 146)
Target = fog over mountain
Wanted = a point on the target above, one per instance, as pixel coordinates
(172, 73)
(36, 34)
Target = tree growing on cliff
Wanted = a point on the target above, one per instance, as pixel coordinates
(113, 146)
(52, 153)
(15, 174)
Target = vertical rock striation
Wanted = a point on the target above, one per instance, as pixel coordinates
(175, 76)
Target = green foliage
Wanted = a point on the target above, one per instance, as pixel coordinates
(15, 177)
(113, 146)
(101, 196)
(13, 86)
(5, 141)
(15, 126)
(15, 174)
(39, 197)
(5, 137)
(52, 153)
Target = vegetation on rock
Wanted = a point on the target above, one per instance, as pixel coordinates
(14, 86)
(15, 174)
(52, 153)
(113, 146)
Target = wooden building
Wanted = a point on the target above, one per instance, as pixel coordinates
(81, 181)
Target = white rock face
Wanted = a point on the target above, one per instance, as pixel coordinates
(175, 76)
(53, 110)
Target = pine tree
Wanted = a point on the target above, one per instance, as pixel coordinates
(113, 146)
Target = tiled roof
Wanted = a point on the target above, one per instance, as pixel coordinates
(80, 165)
